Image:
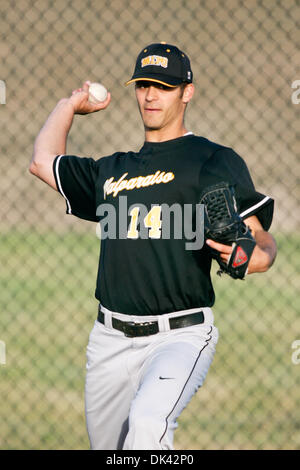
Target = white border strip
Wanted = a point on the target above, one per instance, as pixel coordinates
(69, 210)
(263, 201)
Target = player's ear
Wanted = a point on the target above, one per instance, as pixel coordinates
(188, 92)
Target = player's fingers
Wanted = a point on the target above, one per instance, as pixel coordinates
(84, 106)
(86, 86)
(219, 246)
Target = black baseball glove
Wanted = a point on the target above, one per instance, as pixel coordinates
(223, 224)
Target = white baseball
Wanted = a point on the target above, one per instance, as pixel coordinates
(97, 93)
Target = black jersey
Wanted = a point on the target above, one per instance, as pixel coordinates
(142, 269)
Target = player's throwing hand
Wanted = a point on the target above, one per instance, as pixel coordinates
(81, 103)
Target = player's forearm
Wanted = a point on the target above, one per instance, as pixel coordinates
(51, 141)
(52, 138)
(264, 253)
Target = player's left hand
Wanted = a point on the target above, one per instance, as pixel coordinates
(259, 258)
(224, 250)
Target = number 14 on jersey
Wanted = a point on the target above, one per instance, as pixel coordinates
(152, 221)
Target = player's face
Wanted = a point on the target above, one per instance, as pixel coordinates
(160, 106)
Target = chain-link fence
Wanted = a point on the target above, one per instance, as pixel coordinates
(245, 63)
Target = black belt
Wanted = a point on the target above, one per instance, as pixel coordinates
(132, 329)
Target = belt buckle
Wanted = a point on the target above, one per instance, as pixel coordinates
(131, 329)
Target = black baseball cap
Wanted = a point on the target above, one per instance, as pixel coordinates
(162, 63)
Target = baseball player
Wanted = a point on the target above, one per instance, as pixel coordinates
(154, 337)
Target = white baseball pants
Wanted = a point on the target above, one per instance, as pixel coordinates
(136, 388)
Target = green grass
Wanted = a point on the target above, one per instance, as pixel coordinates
(250, 399)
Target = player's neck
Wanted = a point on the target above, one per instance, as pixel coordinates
(164, 134)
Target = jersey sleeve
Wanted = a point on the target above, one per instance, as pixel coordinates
(226, 165)
(76, 179)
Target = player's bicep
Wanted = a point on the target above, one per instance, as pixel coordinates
(42, 167)
(76, 181)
